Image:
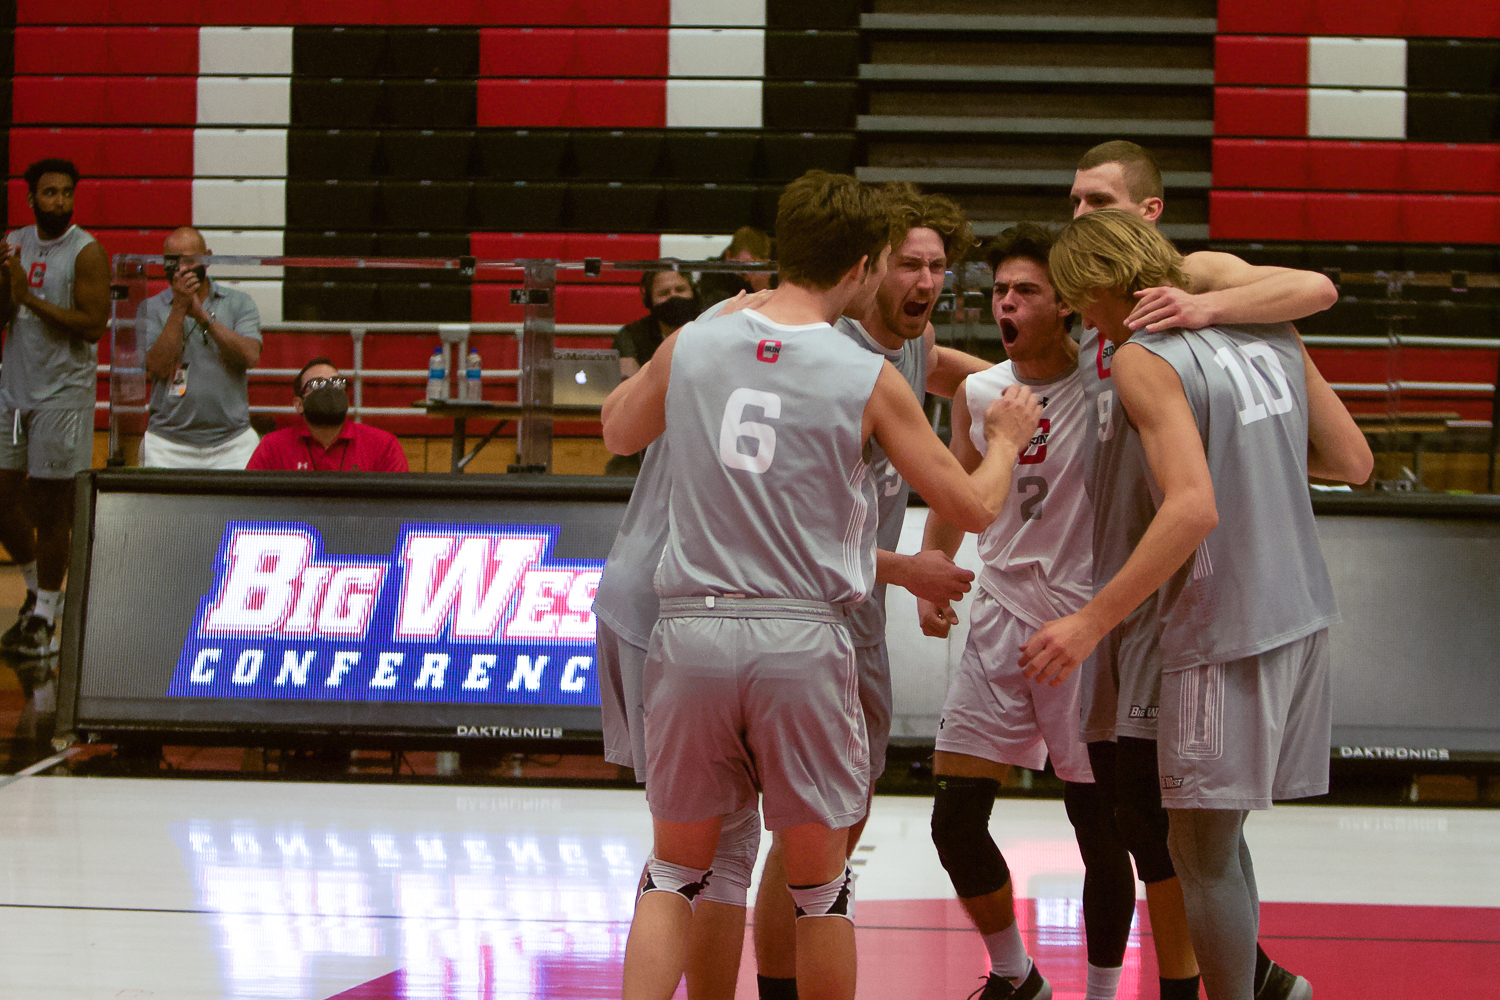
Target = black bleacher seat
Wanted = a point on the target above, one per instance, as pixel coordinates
(789, 155)
(824, 14)
(431, 103)
(521, 155)
(330, 301)
(1350, 317)
(1476, 260)
(1448, 318)
(1351, 258)
(432, 52)
(519, 206)
(766, 199)
(332, 204)
(337, 103)
(812, 55)
(326, 244)
(711, 156)
(424, 302)
(1432, 117)
(324, 153)
(447, 245)
(350, 52)
(425, 205)
(617, 155)
(709, 208)
(809, 105)
(1268, 254)
(612, 207)
(426, 154)
(1450, 64)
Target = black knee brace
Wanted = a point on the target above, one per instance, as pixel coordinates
(961, 832)
(1138, 812)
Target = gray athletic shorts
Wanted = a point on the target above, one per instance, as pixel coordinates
(1237, 735)
(751, 695)
(995, 712)
(48, 444)
(875, 700)
(1122, 681)
(621, 666)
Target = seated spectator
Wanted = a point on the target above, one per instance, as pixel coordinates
(328, 441)
(672, 301)
(748, 246)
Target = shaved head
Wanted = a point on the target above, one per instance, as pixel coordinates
(186, 239)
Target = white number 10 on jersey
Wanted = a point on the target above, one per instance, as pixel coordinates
(1261, 401)
(734, 427)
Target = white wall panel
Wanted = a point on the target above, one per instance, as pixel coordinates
(230, 100)
(716, 52)
(719, 12)
(239, 204)
(714, 104)
(1356, 114)
(1356, 62)
(245, 51)
(239, 152)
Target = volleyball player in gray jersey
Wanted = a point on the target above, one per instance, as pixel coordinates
(1231, 425)
(750, 678)
(56, 298)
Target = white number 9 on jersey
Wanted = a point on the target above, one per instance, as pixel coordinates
(735, 427)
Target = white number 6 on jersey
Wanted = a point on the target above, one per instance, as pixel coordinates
(735, 427)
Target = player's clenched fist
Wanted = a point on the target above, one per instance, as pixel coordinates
(1013, 417)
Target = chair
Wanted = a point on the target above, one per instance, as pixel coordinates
(522, 154)
(1335, 113)
(810, 106)
(425, 205)
(65, 100)
(788, 155)
(347, 52)
(714, 104)
(427, 154)
(708, 208)
(430, 103)
(154, 51)
(617, 155)
(331, 204)
(84, 146)
(328, 153)
(337, 103)
(432, 52)
(711, 156)
(613, 207)
(812, 55)
(519, 206)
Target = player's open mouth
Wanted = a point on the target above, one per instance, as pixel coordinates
(915, 309)
(1009, 331)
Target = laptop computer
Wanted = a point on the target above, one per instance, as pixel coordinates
(584, 378)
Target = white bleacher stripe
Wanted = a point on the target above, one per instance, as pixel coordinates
(714, 104)
(693, 247)
(719, 13)
(267, 296)
(239, 204)
(231, 100)
(245, 51)
(1356, 114)
(1356, 62)
(248, 243)
(716, 52)
(239, 152)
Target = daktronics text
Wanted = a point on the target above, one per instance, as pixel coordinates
(458, 613)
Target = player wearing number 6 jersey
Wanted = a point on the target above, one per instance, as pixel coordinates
(1231, 421)
(750, 675)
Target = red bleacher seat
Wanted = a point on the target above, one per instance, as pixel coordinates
(82, 12)
(1437, 166)
(1344, 217)
(527, 52)
(61, 50)
(153, 100)
(84, 146)
(1386, 19)
(1359, 166)
(141, 241)
(608, 305)
(617, 52)
(130, 203)
(619, 103)
(525, 103)
(424, 12)
(1455, 19)
(60, 99)
(1291, 17)
(1257, 215)
(1446, 218)
(1259, 163)
(642, 13)
(1258, 111)
(1258, 60)
(156, 51)
(236, 12)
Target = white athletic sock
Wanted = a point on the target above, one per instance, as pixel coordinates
(28, 573)
(1103, 983)
(1008, 958)
(46, 605)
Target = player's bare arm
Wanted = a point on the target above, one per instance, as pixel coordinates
(1336, 447)
(947, 367)
(970, 501)
(1152, 395)
(89, 317)
(1226, 289)
(11, 261)
(940, 536)
(635, 414)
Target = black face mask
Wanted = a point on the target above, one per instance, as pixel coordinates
(325, 406)
(55, 223)
(171, 269)
(675, 311)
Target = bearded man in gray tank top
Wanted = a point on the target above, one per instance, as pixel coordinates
(1231, 421)
(750, 676)
(56, 297)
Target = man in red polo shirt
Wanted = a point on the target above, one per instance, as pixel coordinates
(328, 441)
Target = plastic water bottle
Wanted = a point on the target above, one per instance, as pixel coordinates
(473, 374)
(437, 374)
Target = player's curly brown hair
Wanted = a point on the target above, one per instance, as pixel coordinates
(911, 208)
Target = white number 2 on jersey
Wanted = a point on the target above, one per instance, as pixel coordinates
(1259, 402)
(734, 427)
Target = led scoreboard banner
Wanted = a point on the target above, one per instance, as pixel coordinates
(283, 608)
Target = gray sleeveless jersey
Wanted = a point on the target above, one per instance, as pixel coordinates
(1258, 581)
(867, 622)
(771, 488)
(44, 368)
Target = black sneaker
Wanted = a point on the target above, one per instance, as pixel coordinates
(1034, 987)
(36, 637)
(12, 637)
(1280, 984)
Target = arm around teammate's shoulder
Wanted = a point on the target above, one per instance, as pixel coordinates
(1336, 447)
(1232, 290)
(635, 414)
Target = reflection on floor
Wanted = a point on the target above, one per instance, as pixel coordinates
(239, 889)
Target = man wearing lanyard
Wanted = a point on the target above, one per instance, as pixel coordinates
(328, 441)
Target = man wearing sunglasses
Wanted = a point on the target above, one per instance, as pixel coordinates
(328, 441)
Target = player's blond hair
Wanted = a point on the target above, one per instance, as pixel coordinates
(1111, 249)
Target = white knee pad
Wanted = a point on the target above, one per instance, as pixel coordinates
(831, 899)
(663, 876)
(739, 843)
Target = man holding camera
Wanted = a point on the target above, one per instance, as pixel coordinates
(201, 338)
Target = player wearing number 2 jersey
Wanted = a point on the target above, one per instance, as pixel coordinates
(1231, 420)
(750, 680)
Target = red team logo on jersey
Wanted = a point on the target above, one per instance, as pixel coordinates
(768, 351)
(1036, 451)
(1106, 352)
(38, 272)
